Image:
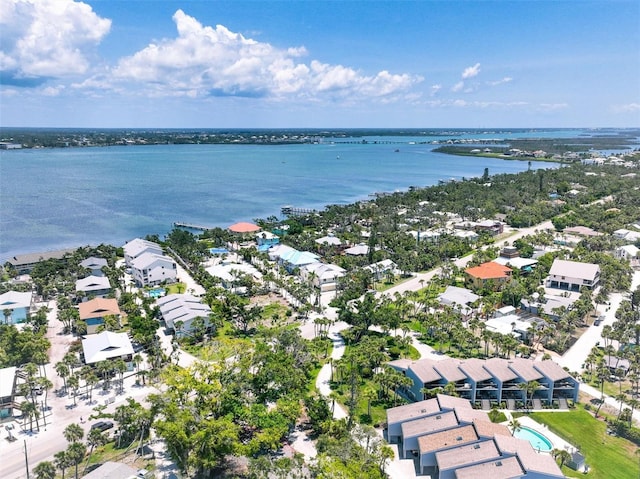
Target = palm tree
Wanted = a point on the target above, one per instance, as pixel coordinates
(30, 410)
(75, 453)
(61, 461)
(74, 384)
(529, 387)
(73, 432)
(561, 455)
(514, 425)
(94, 438)
(63, 371)
(45, 470)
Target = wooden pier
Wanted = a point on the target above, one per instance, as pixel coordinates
(191, 226)
(293, 211)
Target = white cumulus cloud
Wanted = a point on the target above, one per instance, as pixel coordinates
(204, 60)
(629, 107)
(458, 86)
(501, 81)
(471, 72)
(435, 89)
(47, 38)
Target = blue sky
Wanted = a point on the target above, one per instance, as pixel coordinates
(235, 64)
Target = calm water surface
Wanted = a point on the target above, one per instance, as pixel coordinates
(51, 199)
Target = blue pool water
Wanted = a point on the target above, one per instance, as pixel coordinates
(537, 440)
(219, 251)
(156, 293)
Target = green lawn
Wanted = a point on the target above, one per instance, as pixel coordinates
(607, 456)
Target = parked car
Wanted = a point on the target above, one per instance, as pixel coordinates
(102, 425)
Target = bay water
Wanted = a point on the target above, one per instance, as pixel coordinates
(58, 198)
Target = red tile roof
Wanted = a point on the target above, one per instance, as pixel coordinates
(244, 228)
(490, 270)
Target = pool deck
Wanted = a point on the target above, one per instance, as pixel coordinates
(557, 441)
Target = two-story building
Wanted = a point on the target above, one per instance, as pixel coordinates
(179, 310)
(151, 269)
(15, 306)
(137, 247)
(94, 311)
(573, 275)
(489, 275)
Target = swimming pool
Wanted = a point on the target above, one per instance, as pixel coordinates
(218, 251)
(537, 440)
(156, 293)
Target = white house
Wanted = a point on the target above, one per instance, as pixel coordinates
(329, 240)
(459, 298)
(137, 247)
(627, 235)
(381, 268)
(97, 286)
(572, 275)
(229, 272)
(183, 308)
(150, 269)
(325, 276)
(360, 249)
(627, 252)
(95, 265)
(15, 306)
(107, 345)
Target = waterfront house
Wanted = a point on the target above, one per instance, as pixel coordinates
(573, 275)
(137, 247)
(93, 312)
(151, 269)
(96, 286)
(24, 263)
(94, 265)
(107, 345)
(490, 275)
(15, 306)
(182, 309)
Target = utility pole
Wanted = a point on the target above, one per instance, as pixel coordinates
(26, 459)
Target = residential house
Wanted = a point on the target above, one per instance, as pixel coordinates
(360, 249)
(8, 378)
(231, 273)
(137, 247)
(381, 269)
(24, 263)
(107, 345)
(628, 252)
(495, 380)
(509, 324)
(329, 240)
(572, 275)
(293, 259)
(266, 240)
(15, 306)
(451, 440)
(460, 299)
(491, 226)
(151, 269)
(94, 265)
(582, 231)
(322, 275)
(490, 275)
(551, 306)
(627, 235)
(94, 311)
(93, 286)
(182, 309)
(524, 265)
